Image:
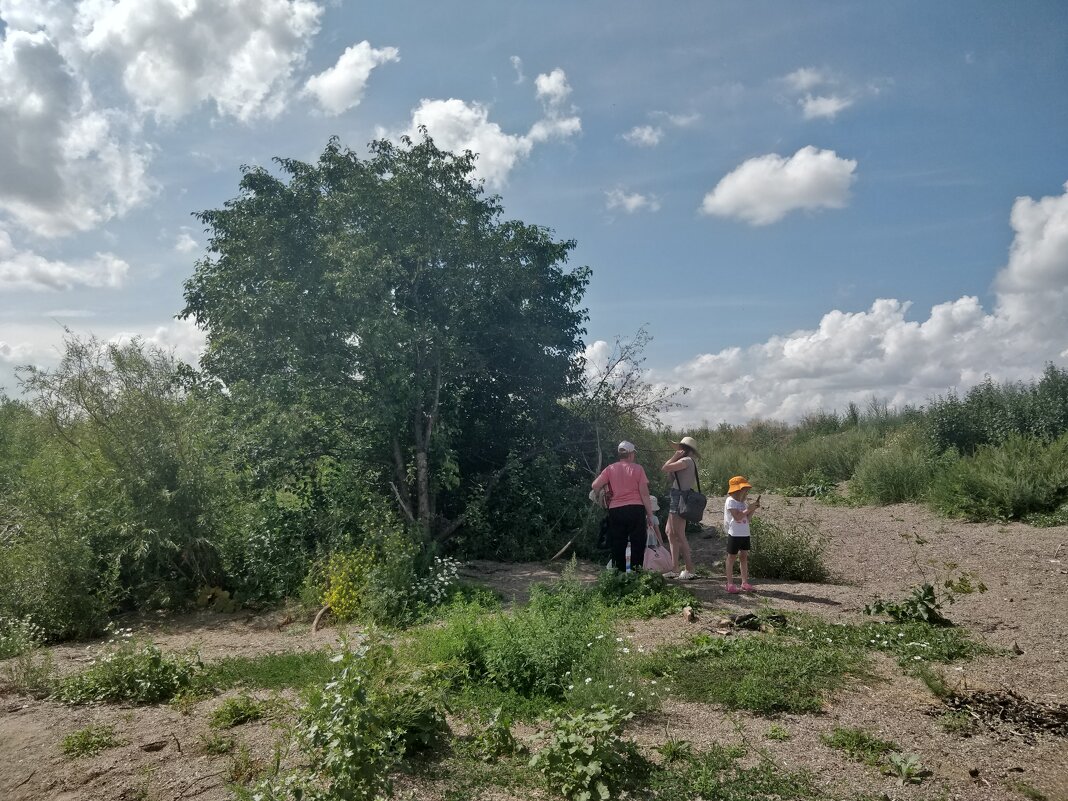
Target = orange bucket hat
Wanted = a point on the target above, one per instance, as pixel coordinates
(738, 483)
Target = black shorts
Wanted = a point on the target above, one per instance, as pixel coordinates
(735, 544)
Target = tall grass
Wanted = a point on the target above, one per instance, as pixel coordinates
(792, 551)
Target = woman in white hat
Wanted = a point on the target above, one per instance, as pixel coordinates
(683, 471)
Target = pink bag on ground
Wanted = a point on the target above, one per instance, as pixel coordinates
(657, 554)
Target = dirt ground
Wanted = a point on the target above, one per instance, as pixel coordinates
(871, 551)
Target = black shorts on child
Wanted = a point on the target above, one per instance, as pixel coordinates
(735, 544)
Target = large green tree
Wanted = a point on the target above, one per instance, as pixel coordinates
(382, 309)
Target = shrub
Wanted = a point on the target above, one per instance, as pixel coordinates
(19, 636)
(131, 672)
(792, 551)
(921, 605)
(585, 756)
(1007, 482)
(893, 474)
(357, 729)
(391, 582)
(52, 577)
(31, 672)
(493, 738)
(833, 458)
(89, 741)
(641, 593)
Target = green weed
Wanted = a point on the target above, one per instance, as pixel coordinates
(860, 746)
(89, 741)
(585, 756)
(641, 594)
(216, 744)
(237, 711)
(131, 671)
(777, 732)
(958, 722)
(675, 750)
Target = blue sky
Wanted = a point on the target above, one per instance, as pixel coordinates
(805, 204)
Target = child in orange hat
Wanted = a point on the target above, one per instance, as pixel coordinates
(736, 516)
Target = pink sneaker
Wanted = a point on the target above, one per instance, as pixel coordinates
(732, 589)
(747, 587)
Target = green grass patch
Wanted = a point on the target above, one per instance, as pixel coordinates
(217, 744)
(860, 746)
(715, 774)
(89, 741)
(237, 711)
(292, 669)
(640, 594)
(767, 674)
(777, 732)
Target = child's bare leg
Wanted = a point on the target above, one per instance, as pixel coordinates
(743, 558)
(730, 569)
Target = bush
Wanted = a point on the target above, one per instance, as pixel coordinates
(641, 593)
(54, 578)
(1022, 476)
(833, 458)
(19, 636)
(357, 729)
(895, 473)
(237, 711)
(860, 746)
(131, 672)
(585, 756)
(791, 551)
(391, 581)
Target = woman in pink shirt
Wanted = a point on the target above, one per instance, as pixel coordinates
(630, 510)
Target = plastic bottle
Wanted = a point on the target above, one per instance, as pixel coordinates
(628, 557)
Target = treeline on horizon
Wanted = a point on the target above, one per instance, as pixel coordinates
(394, 375)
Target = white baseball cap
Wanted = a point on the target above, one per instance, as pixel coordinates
(626, 447)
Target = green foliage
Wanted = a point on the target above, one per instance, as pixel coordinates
(777, 732)
(358, 728)
(586, 757)
(31, 672)
(894, 474)
(763, 674)
(19, 636)
(992, 414)
(1019, 477)
(907, 768)
(237, 711)
(493, 738)
(350, 298)
(89, 741)
(920, 605)
(860, 746)
(216, 744)
(641, 593)
(958, 722)
(793, 551)
(391, 581)
(131, 671)
(715, 774)
(675, 750)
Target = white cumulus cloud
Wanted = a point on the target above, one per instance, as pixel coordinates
(341, 87)
(630, 202)
(805, 79)
(174, 55)
(852, 356)
(765, 189)
(644, 135)
(185, 243)
(23, 269)
(823, 106)
(67, 165)
(458, 125)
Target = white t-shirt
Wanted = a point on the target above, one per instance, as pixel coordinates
(734, 528)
